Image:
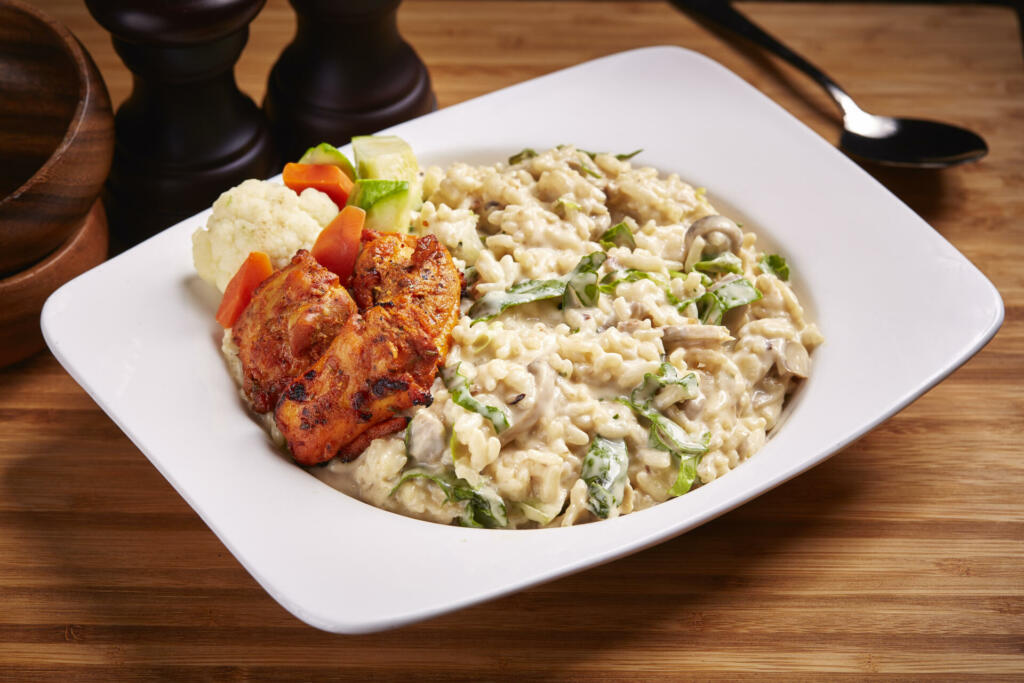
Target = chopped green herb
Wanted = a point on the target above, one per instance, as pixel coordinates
(458, 387)
(619, 235)
(612, 280)
(567, 205)
(484, 507)
(627, 157)
(521, 156)
(585, 168)
(773, 264)
(605, 471)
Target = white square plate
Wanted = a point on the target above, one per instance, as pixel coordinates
(899, 306)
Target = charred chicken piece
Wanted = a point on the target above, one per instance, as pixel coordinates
(290, 322)
(415, 275)
(378, 365)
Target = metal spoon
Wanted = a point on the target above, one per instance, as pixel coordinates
(882, 139)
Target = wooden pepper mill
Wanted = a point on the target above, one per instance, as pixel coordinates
(347, 72)
(186, 133)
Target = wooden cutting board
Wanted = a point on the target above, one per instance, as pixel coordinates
(902, 558)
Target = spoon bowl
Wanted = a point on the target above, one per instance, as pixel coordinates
(911, 142)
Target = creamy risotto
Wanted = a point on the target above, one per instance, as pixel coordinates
(620, 343)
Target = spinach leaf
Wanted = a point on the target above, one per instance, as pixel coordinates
(724, 296)
(458, 387)
(773, 264)
(667, 374)
(579, 286)
(619, 235)
(484, 507)
(620, 157)
(527, 291)
(726, 262)
(612, 280)
(605, 473)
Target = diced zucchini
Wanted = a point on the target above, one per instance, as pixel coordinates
(328, 154)
(389, 157)
(386, 203)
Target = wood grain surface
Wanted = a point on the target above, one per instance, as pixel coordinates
(901, 558)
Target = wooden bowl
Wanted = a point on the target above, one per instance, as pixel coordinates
(24, 293)
(56, 135)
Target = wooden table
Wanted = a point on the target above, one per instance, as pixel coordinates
(900, 558)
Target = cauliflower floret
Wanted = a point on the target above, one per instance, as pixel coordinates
(258, 216)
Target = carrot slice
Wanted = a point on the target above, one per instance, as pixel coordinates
(338, 244)
(255, 269)
(327, 178)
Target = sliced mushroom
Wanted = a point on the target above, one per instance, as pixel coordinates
(543, 397)
(426, 438)
(704, 227)
(676, 336)
(793, 359)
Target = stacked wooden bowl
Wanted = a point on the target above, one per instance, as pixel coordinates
(56, 145)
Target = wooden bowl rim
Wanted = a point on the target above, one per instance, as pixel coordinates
(74, 50)
(19, 280)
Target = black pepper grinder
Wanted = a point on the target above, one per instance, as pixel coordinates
(186, 133)
(347, 72)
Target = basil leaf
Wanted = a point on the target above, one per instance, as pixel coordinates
(619, 235)
(581, 284)
(605, 471)
(458, 387)
(726, 262)
(521, 156)
(527, 291)
(484, 507)
(667, 374)
(773, 264)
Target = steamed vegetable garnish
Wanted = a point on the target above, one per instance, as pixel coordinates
(580, 286)
(484, 507)
(726, 262)
(254, 270)
(773, 264)
(325, 153)
(619, 235)
(667, 375)
(521, 156)
(326, 178)
(458, 387)
(338, 244)
(386, 203)
(605, 471)
(389, 158)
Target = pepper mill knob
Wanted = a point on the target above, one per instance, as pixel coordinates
(347, 72)
(186, 133)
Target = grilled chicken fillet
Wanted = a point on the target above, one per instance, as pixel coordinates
(290, 322)
(381, 361)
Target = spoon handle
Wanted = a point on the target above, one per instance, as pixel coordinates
(722, 14)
